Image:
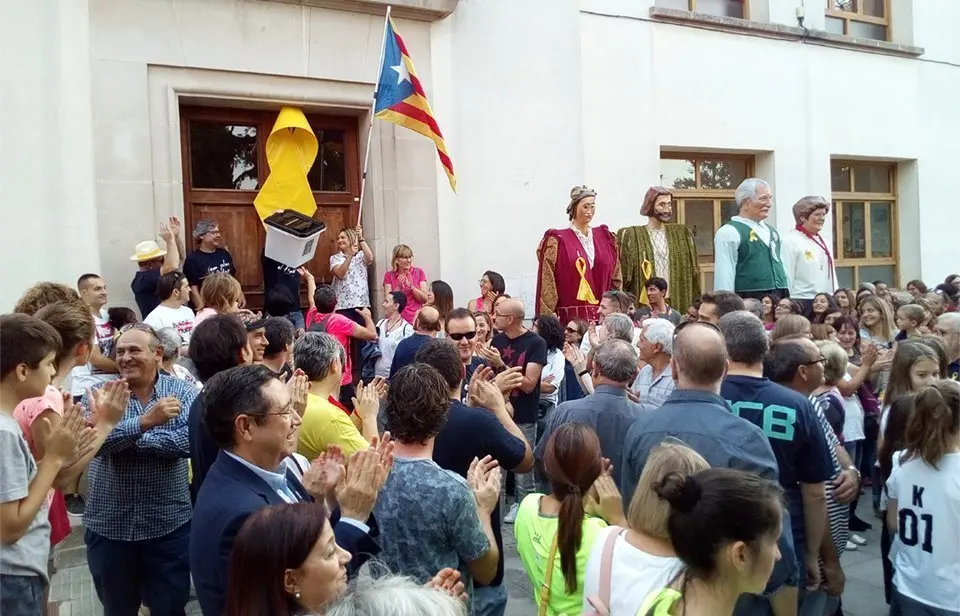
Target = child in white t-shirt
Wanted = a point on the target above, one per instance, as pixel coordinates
(924, 506)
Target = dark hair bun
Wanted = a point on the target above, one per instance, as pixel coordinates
(682, 492)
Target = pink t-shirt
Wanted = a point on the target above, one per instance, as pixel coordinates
(27, 412)
(341, 328)
(416, 277)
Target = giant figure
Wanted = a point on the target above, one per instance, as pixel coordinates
(660, 249)
(577, 264)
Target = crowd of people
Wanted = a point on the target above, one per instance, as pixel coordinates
(651, 457)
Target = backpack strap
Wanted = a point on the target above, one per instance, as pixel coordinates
(548, 578)
(601, 604)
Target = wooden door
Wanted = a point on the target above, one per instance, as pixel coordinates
(224, 166)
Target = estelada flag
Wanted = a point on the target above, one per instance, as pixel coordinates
(400, 97)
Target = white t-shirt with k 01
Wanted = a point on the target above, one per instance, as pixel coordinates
(634, 574)
(926, 550)
(181, 319)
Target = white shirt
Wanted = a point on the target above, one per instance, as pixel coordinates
(852, 417)
(587, 242)
(726, 243)
(585, 345)
(388, 344)
(634, 574)
(352, 290)
(808, 269)
(181, 319)
(555, 366)
(86, 376)
(926, 551)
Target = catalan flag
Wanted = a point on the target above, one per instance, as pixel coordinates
(400, 97)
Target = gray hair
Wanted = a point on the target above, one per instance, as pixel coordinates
(806, 206)
(836, 360)
(202, 228)
(660, 331)
(394, 595)
(748, 190)
(951, 320)
(616, 360)
(745, 337)
(171, 341)
(618, 326)
(314, 353)
(753, 306)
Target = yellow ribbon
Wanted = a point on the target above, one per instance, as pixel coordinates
(646, 270)
(291, 151)
(584, 293)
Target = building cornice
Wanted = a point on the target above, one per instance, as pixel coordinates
(421, 10)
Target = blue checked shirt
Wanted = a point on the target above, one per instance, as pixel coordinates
(138, 480)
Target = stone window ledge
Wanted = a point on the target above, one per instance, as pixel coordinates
(783, 31)
(421, 10)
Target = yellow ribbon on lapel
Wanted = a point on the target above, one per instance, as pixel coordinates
(646, 270)
(291, 151)
(584, 293)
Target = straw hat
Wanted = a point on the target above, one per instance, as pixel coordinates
(146, 251)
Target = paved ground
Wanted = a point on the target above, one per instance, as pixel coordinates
(73, 589)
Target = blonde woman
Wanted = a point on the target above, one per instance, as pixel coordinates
(349, 269)
(221, 294)
(409, 280)
(640, 558)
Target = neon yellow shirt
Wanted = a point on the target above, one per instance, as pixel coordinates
(535, 532)
(324, 424)
(660, 602)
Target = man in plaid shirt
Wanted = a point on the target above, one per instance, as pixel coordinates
(138, 512)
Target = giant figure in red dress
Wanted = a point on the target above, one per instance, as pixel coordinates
(577, 264)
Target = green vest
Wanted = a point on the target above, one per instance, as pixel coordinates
(758, 265)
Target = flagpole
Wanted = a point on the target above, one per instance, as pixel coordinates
(373, 109)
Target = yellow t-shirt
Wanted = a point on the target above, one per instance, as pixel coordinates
(535, 532)
(323, 425)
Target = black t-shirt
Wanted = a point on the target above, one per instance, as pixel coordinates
(198, 265)
(953, 371)
(469, 369)
(144, 287)
(203, 449)
(472, 432)
(527, 348)
(276, 274)
(407, 351)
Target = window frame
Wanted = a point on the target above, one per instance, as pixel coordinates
(692, 7)
(840, 199)
(859, 15)
(716, 195)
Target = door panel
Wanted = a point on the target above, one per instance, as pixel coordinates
(229, 145)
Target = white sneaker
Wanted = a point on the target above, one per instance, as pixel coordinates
(511, 516)
(857, 539)
(852, 547)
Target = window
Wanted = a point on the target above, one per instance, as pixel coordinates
(703, 188)
(861, 18)
(865, 215)
(225, 165)
(720, 8)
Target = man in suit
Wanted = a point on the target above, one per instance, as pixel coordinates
(250, 415)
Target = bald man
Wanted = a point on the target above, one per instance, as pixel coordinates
(426, 326)
(696, 415)
(948, 326)
(516, 345)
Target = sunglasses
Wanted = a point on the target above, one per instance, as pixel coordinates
(143, 327)
(467, 335)
(571, 330)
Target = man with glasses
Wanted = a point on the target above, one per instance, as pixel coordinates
(798, 364)
(696, 415)
(948, 326)
(209, 257)
(137, 518)
(461, 328)
(789, 422)
(517, 346)
(747, 250)
(251, 416)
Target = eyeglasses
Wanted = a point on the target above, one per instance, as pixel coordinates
(571, 330)
(467, 335)
(142, 327)
(819, 360)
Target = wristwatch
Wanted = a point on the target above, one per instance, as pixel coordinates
(854, 469)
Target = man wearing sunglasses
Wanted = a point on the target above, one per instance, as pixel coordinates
(461, 328)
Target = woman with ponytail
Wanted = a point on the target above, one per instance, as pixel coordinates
(923, 507)
(724, 525)
(556, 531)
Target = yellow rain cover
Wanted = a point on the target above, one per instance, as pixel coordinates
(291, 151)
